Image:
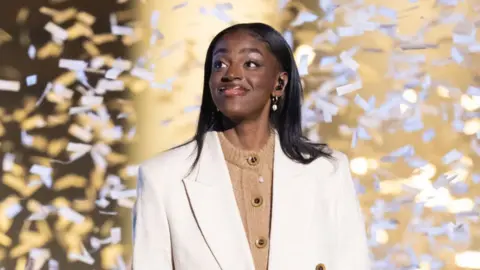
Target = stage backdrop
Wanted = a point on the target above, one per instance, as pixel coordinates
(89, 89)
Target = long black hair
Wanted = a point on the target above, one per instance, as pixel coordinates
(287, 118)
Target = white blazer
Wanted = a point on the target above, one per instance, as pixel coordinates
(193, 223)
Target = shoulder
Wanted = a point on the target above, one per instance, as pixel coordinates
(333, 173)
(170, 163)
(335, 179)
(342, 175)
(337, 163)
(341, 158)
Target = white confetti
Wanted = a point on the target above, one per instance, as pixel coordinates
(13, 86)
(452, 156)
(102, 203)
(44, 172)
(349, 31)
(327, 107)
(474, 48)
(113, 73)
(304, 17)
(90, 101)
(115, 235)
(354, 141)
(456, 55)
(56, 31)
(8, 162)
(53, 265)
(349, 88)
(12, 211)
(73, 64)
(122, 30)
(71, 215)
(221, 15)
(283, 3)
(154, 19)
(126, 203)
(85, 257)
(27, 139)
(31, 80)
(110, 85)
(288, 36)
(142, 74)
(40, 257)
(348, 61)
(32, 52)
(123, 194)
(81, 133)
(428, 135)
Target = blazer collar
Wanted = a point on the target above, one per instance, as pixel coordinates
(212, 153)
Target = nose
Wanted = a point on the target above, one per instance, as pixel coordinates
(232, 73)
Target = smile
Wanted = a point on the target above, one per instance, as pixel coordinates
(233, 91)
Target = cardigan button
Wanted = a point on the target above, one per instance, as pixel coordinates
(320, 266)
(257, 201)
(261, 242)
(252, 160)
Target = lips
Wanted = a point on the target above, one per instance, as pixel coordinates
(231, 91)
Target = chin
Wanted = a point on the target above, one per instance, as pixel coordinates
(235, 115)
(241, 109)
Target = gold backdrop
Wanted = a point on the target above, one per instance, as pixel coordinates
(387, 83)
(394, 84)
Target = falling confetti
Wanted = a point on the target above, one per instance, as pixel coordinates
(404, 108)
(406, 98)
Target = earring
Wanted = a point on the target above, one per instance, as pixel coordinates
(274, 103)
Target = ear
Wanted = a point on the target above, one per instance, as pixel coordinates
(281, 84)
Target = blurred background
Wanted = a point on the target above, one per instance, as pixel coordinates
(89, 89)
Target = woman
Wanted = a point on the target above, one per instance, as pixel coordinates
(249, 191)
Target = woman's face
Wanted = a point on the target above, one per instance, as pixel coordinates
(244, 77)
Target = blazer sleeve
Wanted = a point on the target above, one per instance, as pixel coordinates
(352, 248)
(151, 235)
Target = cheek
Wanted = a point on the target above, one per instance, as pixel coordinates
(264, 85)
(213, 82)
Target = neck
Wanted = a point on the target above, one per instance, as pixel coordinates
(249, 135)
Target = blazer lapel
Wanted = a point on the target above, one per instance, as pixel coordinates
(213, 202)
(294, 188)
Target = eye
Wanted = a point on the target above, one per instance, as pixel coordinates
(218, 64)
(251, 64)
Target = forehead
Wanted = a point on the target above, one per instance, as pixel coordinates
(240, 39)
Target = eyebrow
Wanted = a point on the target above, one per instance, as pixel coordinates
(244, 50)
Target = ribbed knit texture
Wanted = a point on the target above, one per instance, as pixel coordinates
(251, 181)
